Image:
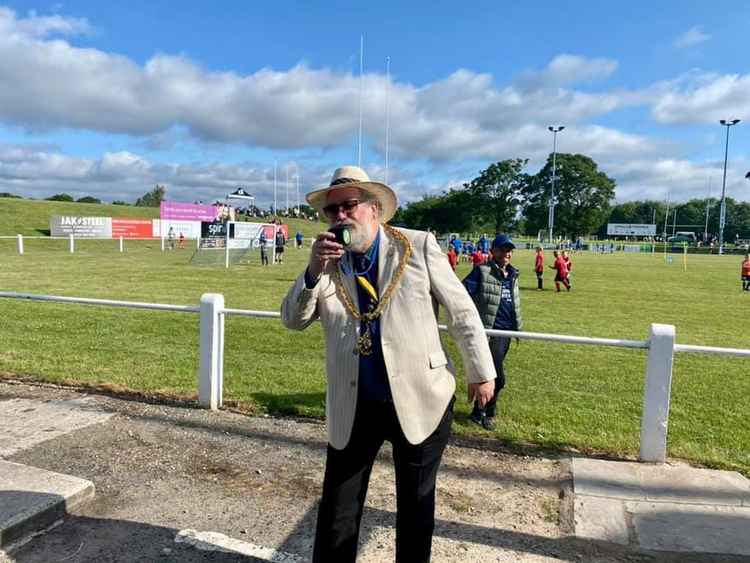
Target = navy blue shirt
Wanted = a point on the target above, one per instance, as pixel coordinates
(506, 313)
(373, 377)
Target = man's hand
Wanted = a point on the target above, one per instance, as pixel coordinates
(481, 392)
(324, 248)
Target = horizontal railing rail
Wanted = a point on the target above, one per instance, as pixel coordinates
(661, 347)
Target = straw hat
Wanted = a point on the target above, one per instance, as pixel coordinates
(355, 177)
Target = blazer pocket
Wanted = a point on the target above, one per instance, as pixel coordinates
(438, 359)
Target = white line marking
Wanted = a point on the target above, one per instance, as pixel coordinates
(214, 541)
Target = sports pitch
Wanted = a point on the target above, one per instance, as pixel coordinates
(559, 396)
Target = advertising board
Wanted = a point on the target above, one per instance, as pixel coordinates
(132, 228)
(80, 227)
(191, 229)
(631, 229)
(178, 211)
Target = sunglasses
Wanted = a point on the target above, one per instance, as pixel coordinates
(332, 210)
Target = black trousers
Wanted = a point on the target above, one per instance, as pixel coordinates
(499, 346)
(347, 476)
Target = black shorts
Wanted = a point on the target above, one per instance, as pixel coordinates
(279, 250)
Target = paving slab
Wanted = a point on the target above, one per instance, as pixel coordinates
(32, 499)
(691, 528)
(27, 422)
(662, 507)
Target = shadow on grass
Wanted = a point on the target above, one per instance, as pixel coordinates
(45, 232)
(296, 404)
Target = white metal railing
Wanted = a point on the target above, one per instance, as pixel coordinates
(661, 348)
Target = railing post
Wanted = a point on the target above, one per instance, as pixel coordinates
(211, 378)
(122, 249)
(162, 243)
(656, 395)
(20, 244)
(72, 244)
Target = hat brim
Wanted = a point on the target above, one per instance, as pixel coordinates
(318, 199)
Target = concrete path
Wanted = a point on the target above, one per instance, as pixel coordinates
(176, 484)
(673, 508)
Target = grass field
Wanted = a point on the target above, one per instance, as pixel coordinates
(582, 397)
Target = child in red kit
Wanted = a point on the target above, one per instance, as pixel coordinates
(539, 267)
(562, 272)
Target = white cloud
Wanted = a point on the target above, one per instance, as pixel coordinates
(462, 116)
(700, 97)
(692, 36)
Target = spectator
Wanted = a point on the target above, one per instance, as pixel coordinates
(298, 239)
(182, 240)
(494, 289)
(170, 238)
(477, 258)
(263, 243)
(280, 241)
(745, 272)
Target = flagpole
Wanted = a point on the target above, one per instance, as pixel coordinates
(387, 112)
(361, 64)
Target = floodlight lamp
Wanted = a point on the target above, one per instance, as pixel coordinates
(551, 128)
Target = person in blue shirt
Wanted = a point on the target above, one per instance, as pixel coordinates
(456, 242)
(493, 286)
(298, 237)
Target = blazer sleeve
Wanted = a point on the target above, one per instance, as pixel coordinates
(300, 306)
(464, 323)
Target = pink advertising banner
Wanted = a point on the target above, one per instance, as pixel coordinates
(177, 211)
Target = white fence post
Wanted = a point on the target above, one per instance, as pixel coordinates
(20, 244)
(122, 249)
(211, 377)
(656, 395)
(162, 243)
(72, 244)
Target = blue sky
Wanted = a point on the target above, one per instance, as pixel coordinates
(110, 99)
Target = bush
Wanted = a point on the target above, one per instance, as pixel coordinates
(7, 194)
(88, 199)
(61, 197)
(118, 202)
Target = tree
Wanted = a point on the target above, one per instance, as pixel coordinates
(494, 196)
(152, 198)
(582, 192)
(8, 194)
(120, 202)
(88, 199)
(61, 197)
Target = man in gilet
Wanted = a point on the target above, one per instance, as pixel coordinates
(493, 287)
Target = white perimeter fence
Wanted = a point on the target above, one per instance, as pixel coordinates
(661, 348)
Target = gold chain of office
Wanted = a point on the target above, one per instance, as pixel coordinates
(363, 346)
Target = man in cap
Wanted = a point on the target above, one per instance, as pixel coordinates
(388, 375)
(493, 286)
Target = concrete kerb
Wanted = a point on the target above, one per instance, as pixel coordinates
(661, 507)
(32, 500)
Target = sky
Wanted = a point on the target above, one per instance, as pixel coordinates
(111, 98)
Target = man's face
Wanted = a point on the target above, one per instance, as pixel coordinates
(362, 219)
(502, 256)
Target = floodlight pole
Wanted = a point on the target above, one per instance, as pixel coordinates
(723, 212)
(275, 210)
(551, 216)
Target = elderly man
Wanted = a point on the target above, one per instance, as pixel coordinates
(388, 375)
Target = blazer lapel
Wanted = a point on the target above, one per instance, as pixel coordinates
(387, 260)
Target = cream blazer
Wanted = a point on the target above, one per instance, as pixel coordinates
(421, 377)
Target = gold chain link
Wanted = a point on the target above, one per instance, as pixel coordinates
(391, 287)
